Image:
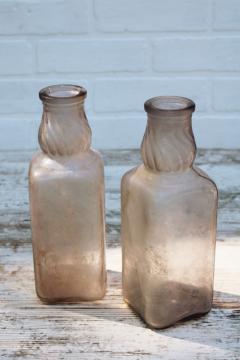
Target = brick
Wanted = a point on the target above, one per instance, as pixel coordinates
(91, 56)
(117, 132)
(226, 94)
(155, 15)
(19, 132)
(226, 54)
(226, 15)
(16, 57)
(197, 54)
(21, 96)
(128, 95)
(43, 17)
(215, 131)
(182, 54)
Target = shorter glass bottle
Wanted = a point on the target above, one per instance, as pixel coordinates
(66, 188)
(169, 209)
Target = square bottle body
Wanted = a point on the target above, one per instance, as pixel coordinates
(68, 228)
(168, 239)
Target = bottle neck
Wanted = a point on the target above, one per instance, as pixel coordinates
(168, 143)
(64, 129)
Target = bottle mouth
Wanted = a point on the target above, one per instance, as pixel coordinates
(62, 93)
(168, 104)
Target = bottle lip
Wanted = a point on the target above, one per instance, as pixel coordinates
(169, 105)
(62, 93)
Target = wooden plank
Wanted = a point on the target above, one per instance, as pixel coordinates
(108, 328)
(222, 165)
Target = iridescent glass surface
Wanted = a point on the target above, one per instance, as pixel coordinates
(66, 187)
(169, 209)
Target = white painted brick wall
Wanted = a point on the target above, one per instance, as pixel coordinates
(151, 15)
(197, 54)
(226, 94)
(43, 17)
(16, 56)
(128, 95)
(226, 15)
(123, 52)
(92, 56)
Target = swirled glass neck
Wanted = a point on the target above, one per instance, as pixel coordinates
(168, 143)
(64, 128)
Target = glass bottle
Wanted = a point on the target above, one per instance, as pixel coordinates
(66, 189)
(169, 209)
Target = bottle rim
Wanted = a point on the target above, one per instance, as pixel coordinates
(169, 105)
(62, 93)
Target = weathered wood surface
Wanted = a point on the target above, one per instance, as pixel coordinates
(108, 329)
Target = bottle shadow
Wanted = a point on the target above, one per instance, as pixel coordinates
(205, 329)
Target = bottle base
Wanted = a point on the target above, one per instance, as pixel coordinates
(71, 299)
(166, 322)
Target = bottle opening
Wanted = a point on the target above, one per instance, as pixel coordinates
(62, 93)
(169, 104)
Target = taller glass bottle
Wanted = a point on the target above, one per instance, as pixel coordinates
(169, 209)
(66, 188)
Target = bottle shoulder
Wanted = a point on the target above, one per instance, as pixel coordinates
(193, 179)
(84, 164)
(205, 178)
(128, 175)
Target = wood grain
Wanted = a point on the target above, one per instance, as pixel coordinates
(109, 329)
